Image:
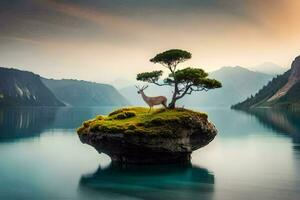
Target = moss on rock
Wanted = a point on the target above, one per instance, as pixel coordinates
(137, 120)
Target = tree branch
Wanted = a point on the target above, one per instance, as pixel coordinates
(187, 88)
(197, 90)
(160, 84)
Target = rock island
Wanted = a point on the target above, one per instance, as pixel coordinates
(135, 136)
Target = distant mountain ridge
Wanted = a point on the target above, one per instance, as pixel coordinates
(85, 93)
(22, 88)
(268, 68)
(282, 91)
(238, 83)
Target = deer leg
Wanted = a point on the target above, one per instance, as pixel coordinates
(149, 109)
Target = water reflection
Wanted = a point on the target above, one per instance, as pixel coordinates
(17, 123)
(251, 158)
(281, 121)
(28, 122)
(231, 123)
(152, 182)
(72, 118)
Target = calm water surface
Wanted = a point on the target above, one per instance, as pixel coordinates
(255, 156)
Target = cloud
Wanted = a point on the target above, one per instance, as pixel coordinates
(102, 18)
(93, 33)
(20, 39)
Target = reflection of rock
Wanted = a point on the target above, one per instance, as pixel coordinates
(72, 117)
(27, 122)
(163, 136)
(282, 121)
(17, 123)
(155, 182)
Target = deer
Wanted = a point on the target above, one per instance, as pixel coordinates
(152, 101)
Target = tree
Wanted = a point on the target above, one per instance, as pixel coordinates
(184, 81)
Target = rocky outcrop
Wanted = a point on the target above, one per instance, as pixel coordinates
(154, 140)
(22, 88)
(293, 79)
(282, 92)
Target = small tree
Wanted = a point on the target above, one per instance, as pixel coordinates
(184, 81)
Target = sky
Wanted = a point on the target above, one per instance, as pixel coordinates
(105, 40)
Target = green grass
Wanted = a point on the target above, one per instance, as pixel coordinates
(137, 120)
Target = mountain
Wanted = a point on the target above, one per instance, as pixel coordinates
(121, 83)
(84, 93)
(22, 88)
(269, 68)
(238, 83)
(282, 91)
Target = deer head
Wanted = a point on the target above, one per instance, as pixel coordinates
(140, 90)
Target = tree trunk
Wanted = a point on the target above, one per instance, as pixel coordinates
(172, 104)
(173, 101)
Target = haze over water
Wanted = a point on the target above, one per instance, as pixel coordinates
(255, 156)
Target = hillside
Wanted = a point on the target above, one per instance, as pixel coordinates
(84, 93)
(282, 91)
(22, 88)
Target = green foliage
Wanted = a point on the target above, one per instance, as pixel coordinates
(185, 81)
(81, 129)
(209, 83)
(171, 57)
(196, 77)
(87, 123)
(190, 75)
(125, 115)
(99, 117)
(117, 112)
(158, 121)
(150, 77)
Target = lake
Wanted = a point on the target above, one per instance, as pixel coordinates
(254, 156)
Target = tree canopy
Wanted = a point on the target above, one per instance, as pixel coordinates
(171, 58)
(150, 77)
(185, 81)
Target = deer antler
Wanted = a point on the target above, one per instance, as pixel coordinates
(137, 87)
(144, 87)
